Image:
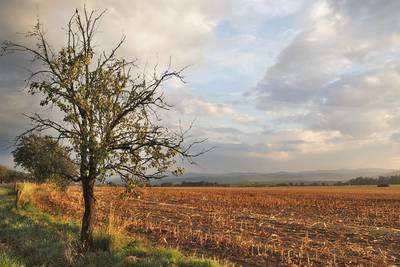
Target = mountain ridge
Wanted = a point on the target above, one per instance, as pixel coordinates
(332, 175)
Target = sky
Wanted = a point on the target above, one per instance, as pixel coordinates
(273, 84)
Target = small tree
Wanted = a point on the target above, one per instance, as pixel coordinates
(45, 159)
(110, 110)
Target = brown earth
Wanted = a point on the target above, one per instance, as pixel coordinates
(306, 226)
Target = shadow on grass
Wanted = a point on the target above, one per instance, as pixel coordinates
(29, 237)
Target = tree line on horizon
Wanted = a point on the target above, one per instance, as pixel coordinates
(8, 175)
(381, 180)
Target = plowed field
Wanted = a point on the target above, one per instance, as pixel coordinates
(307, 226)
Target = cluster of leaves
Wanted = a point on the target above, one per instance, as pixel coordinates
(45, 159)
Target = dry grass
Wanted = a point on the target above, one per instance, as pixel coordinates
(310, 226)
(24, 193)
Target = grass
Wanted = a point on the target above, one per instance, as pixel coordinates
(25, 192)
(6, 260)
(29, 237)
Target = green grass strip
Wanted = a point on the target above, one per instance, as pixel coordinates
(29, 237)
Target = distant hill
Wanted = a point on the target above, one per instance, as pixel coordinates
(276, 177)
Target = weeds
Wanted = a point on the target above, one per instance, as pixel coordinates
(24, 192)
(7, 261)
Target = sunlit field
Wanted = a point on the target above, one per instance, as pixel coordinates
(310, 226)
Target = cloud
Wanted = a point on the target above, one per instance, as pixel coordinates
(225, 130)
(273, 156)
(280, 152)
(202, 107)
(244, 119)
(184, 101)
(154, 28)
(396, 137)
(340, 71)
(181, 97)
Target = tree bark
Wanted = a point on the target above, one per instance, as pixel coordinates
(88, 216)
(88, 177)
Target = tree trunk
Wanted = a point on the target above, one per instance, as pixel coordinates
(88, 216)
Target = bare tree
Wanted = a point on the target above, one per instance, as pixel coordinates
(110, 110)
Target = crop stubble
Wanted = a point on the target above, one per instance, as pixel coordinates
(306, 226)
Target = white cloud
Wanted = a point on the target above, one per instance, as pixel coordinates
(244, 119)
(337, 71)
(154, 28)
(274, 8)
(186, 103)
(273, 156)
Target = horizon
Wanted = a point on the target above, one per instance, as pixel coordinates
(297, 171)
(275, 86)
